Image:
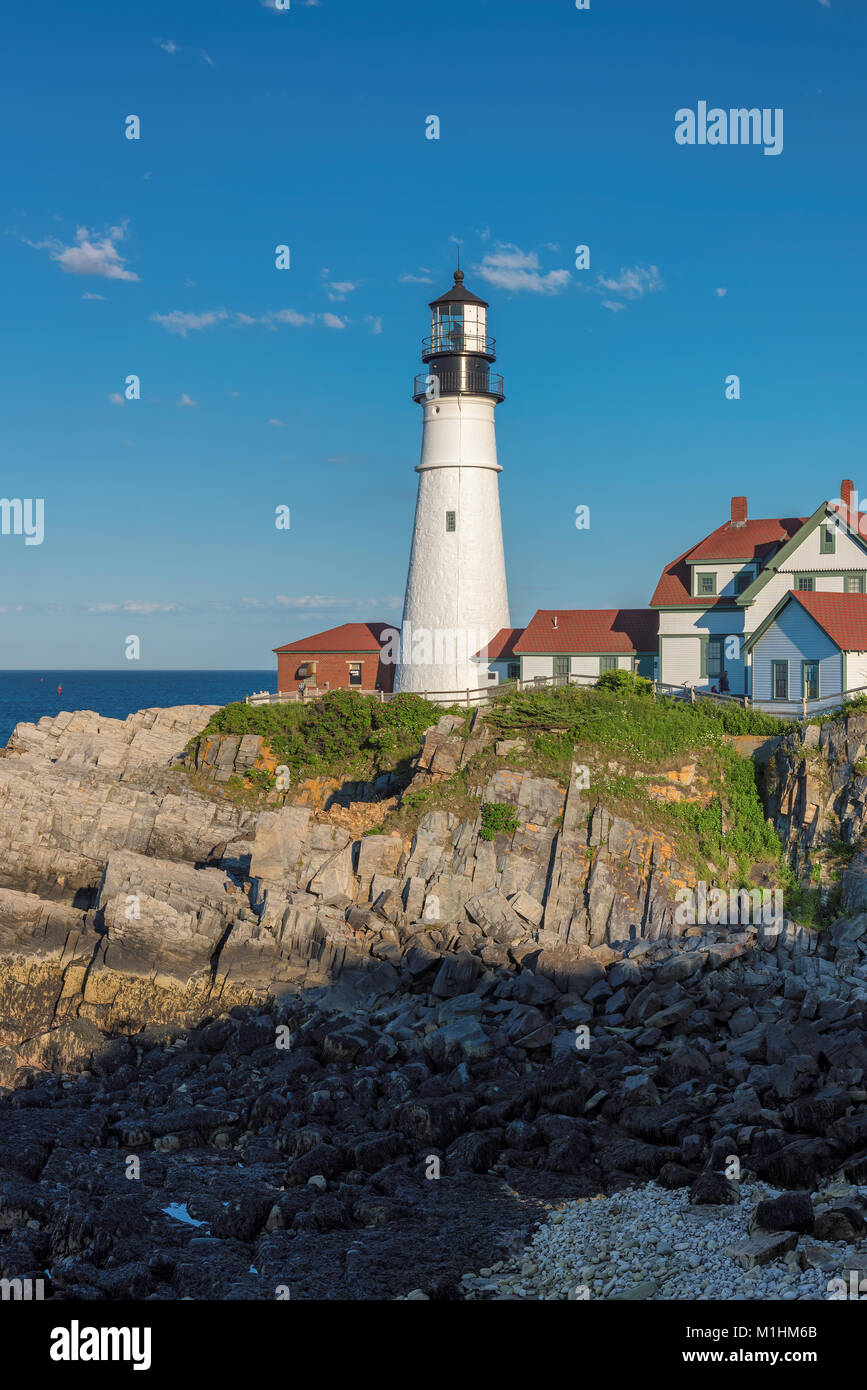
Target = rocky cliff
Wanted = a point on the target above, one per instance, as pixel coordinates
(358, 1067)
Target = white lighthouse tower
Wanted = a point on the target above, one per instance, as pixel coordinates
(456, 598)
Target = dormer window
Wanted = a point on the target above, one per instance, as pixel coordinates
(827, 540)
(743, 581)
(705, 585)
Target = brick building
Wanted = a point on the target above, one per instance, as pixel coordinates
(345, 657)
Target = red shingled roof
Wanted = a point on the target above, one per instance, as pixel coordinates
(590, 630)
(349, 637)
(842, 616)
(755, 540)
(502, 645)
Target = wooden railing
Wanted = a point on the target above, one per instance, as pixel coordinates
(473, 699)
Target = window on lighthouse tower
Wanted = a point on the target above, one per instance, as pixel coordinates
(451, 521)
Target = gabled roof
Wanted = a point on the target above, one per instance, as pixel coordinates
(592, 630)
(842, 617)
(824, 513)
(502, 646)
(753, 541)
(348, 637)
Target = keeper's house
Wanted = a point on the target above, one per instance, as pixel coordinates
(812, 645)
(345, 657)
(720, 592)
(576, 642)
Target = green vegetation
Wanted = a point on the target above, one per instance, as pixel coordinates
(623, 721)
(345, 734)
(725, 833)
(498, 818)
(857, 705)
(624, 680)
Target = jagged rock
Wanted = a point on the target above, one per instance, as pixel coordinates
(840, 1223)
(713, 1189)
(279, 841)
(792, 1211)
(763, 1249)
(496, 918)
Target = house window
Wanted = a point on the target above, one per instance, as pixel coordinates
(450, 521)
(853, 584)
(607, 663)
(706, 584)
(827, 541)
(806, 583)
(810, 674)
(714, 657)
(513, 670)
(561, 665)
(743, 581)
(355, 673)
(779, 680)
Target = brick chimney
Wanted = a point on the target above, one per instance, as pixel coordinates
(847, 487)
(739, 511)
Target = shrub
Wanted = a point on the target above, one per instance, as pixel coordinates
(498, 818)
(345, 733)
(624, 680)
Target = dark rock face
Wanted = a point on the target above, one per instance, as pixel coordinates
(264, 1056)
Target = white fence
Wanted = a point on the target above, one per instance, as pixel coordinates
(472, 699)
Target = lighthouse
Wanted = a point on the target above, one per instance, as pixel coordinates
(456, 598)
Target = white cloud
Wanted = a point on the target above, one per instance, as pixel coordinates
(244, 320)
(290, 316)
(613, 305)
(90, 255)
(416, 279)
(134, 606)
(208, 59)
(375, 323)
(826, 4)
(178, 321)
(277, 422)
(116, 398)
(167, 45)
(321, 601)
(632, 282)
(721, 292)
(88, 295)
(339, 289)
(142, 606)
(185, 400)
(332, 321)
(510, 268)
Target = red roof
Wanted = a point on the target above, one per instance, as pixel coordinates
(754, 540)
(349, 637)
(502, 646)
(590, 630)
(842, 616)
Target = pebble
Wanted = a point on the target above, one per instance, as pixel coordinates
(656, 1247)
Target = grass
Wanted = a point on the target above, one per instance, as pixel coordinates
(629, 723)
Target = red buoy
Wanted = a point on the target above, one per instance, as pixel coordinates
(60, 690)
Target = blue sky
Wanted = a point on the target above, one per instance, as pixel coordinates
(263, 387)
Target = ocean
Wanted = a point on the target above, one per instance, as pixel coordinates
(28, 695)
